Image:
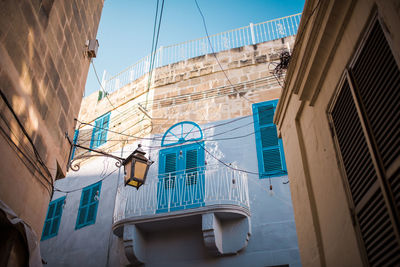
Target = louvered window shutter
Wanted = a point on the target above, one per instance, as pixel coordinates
(170, 169)
(53, 218)
(57, 217)
(100, 130)
(103, 135)
(47, 226)
(366, 120)
(191, 166)
(94, 201)
(269, 147)
(88, 207)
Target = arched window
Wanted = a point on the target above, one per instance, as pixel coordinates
(182, 132)
(181, 168)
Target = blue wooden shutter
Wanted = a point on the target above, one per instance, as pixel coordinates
(93, 204)
(191, 164)
(88, 206)
(82, 213)
(95, 134)
(191, 160)
(270, 156)
(169, 170)
(56, 217)
(104, 125)
(53, 218)
(47, 225)
(170, 163)
(100, 129)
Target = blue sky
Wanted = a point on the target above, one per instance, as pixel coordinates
(126, 26)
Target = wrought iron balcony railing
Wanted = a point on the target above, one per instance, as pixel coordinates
(183, 190)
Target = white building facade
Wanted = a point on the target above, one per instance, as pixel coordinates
(218, 191)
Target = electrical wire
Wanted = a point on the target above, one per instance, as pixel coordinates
(37, 155)
(225, 164)
(204, 129)
(214, 54)
(101, 86)
(80, 188)
(299, 36)
(28, 159)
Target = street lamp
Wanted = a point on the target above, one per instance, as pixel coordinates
(136, 164)
(136, 168)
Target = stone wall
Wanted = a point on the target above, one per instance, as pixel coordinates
(43, 70)
(195, 88)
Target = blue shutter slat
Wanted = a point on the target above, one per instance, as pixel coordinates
(265, 114)
(54, 226)
(191, 164)
(191, 160)
(91, 212)
(50, 212)
(269, 136)
(170, 162)
(85, 197)
(58, 208)
(272, 160)
(46, 229)
(82, 215)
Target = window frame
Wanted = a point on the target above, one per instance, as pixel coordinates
(99, 130)
(53, 217)
(86, 206)
(259, 147)
(74, 141)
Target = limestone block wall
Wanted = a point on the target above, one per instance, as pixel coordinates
(195, 88)
(43, 69)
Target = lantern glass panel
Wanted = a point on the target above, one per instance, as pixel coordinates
(140, 170)
(128, 171)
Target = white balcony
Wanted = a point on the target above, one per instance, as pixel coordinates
(215, 198)
(182, 191)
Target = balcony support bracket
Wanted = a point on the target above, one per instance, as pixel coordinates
(133, 244)
(225, 236)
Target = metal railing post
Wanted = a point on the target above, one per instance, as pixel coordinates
(160, 56)
(253, 38)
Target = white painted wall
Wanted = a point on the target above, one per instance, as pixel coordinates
(273, 240)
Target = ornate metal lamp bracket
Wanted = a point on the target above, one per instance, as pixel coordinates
(75, 166)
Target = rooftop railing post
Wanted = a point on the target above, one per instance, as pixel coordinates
(253, 38)
(160, 56)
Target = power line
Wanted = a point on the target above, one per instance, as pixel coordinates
(225, 164)
(213, 52)
(37, 155)
(264, 115)
(77, 189)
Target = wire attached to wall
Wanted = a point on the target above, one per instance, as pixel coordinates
(215, 55)
(35, 151)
